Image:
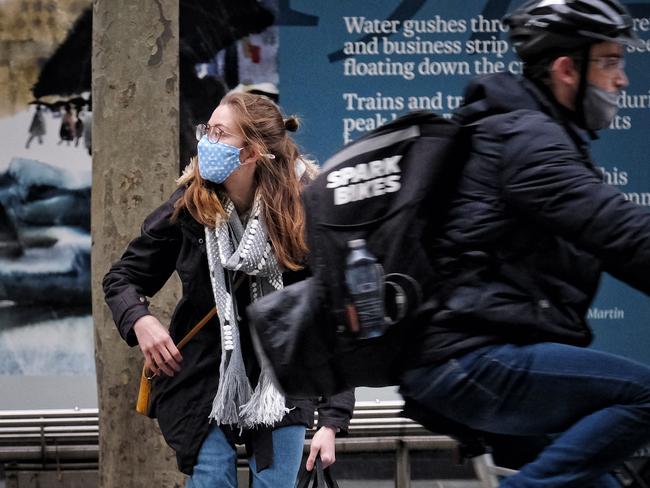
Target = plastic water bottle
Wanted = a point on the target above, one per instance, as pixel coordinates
(365, 281)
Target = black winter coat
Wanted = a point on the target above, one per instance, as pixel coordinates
(182, 403)
(531, 227)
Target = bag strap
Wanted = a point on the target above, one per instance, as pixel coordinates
(305, 478)
(194, 330)
(208, 316)
(325, 475)
(330, 482)
(317, 477)
(149, 375)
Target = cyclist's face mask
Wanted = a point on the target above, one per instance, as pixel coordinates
(604, 74)
(599, 107)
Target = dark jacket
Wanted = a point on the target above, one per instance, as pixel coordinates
(531, 227)
(182, 403)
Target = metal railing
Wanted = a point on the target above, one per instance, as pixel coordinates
(46, 436)
(49, 436)
(56, 439)
(69, 438)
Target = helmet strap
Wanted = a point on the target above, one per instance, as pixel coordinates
(582, 86)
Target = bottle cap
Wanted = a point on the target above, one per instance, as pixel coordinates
(356, 243)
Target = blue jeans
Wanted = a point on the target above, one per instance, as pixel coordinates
(598, 403)
(216, 466)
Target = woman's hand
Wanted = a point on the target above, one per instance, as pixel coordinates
(160, 352)
(323, 443)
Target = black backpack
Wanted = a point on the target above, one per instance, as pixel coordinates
(390, 189)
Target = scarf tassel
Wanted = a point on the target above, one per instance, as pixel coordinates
(266, 406)
(234, 389)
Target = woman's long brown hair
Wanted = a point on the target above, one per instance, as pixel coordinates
(265, 132)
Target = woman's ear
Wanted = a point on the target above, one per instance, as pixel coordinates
(248, 155)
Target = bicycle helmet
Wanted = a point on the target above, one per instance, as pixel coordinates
(542, 27)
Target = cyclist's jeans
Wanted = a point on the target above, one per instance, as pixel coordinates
(598, 403)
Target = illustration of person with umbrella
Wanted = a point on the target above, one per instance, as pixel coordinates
(36, 128)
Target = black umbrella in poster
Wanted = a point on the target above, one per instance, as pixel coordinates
(206, 27)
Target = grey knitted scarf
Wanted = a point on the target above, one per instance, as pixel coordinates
(232, 247)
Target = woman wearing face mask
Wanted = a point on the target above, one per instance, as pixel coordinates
(233, 231)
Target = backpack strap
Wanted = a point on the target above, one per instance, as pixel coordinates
(371, 144)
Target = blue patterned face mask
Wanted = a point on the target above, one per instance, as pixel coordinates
(217, 161)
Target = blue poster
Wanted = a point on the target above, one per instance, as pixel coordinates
(347, 67)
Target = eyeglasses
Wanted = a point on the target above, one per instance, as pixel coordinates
(609, 63)
(214, 133)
